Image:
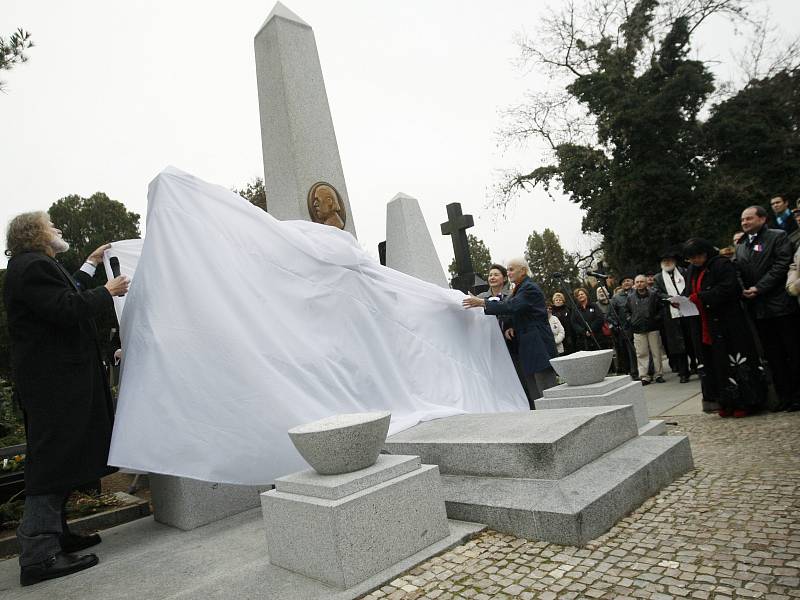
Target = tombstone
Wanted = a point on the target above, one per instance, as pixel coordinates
(456, 227)
(587, 385)
(409, 247)
(357, 512)
(564, 476)
(303, 176)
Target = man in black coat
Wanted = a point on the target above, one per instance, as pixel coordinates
(763, 256)
(61, 385)
(529, 324)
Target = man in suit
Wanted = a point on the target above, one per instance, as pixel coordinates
(61, 385)
(763, 256)
(529, 323)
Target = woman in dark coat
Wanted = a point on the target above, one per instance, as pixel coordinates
(587, 322)
(563, 313)
(529, 325)
(730, 372)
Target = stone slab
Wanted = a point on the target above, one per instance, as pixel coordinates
(223, 561)
(409, 247)
(580, 507)
(653, 427)
(621, 392)
(333, 487)
(190, 503)
(343, 542)
(540, 444)
(609, 384)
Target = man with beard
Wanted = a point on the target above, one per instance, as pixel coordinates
(61, 386)
(671, 282)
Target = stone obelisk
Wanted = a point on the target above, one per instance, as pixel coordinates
(303, 176)
(409, 247)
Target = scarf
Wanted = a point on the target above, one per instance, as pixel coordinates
(674, 288)
(697, 284)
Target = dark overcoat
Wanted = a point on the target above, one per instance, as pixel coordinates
(732, 351)
(531, 325)
(58, 374)
(764, 263)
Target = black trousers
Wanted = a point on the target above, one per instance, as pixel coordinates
(780, 337)
(43, 524)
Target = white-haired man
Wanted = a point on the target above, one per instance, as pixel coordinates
(528, 324)
(61, 386)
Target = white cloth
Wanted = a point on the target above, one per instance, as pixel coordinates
(674, 288)
(127, 252)
(237, 327)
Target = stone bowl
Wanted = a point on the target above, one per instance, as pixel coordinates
(584, 367)
(342, 443)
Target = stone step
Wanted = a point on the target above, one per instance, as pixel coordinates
(579, 507)
(612, 391)
(540, 444)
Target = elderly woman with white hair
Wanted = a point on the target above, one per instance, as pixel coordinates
(529, 323)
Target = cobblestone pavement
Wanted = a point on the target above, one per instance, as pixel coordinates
(729, 529)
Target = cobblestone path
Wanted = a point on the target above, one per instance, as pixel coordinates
(729, 529)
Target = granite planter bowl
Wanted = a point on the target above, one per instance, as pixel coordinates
(584, 367)
(342, 443)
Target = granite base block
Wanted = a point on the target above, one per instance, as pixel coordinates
(345, 541)
(654, 427)
(539, 444)
(189, 503)
(618, 391)
(574, 510)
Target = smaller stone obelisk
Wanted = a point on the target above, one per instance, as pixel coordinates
(303, 176)
(409, 247)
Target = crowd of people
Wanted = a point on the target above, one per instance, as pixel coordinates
(731, 316)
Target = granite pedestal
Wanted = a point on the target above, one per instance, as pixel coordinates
(560, 475)
(611, 391)
(189, 503)
(342, 529)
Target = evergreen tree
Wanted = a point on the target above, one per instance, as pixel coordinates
(549, 262)
(254, 193)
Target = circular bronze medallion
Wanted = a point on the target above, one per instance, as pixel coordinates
(325, 205)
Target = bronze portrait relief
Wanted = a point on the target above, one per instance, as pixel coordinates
(325, 205)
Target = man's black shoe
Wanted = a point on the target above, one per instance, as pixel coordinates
(660, 380)
(684, 379)
(56, 566)
(73, 542)
(645, 382)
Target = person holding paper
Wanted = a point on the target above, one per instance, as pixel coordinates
(730, 373)
(669, 283)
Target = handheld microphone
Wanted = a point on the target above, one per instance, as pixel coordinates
(114, 262)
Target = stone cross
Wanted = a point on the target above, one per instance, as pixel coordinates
(297, 136)
(456, 227)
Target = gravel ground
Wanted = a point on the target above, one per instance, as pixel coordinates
(729, 529)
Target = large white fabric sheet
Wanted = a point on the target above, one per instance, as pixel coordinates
(238, 327)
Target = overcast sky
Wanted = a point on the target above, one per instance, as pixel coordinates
(115, 91)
